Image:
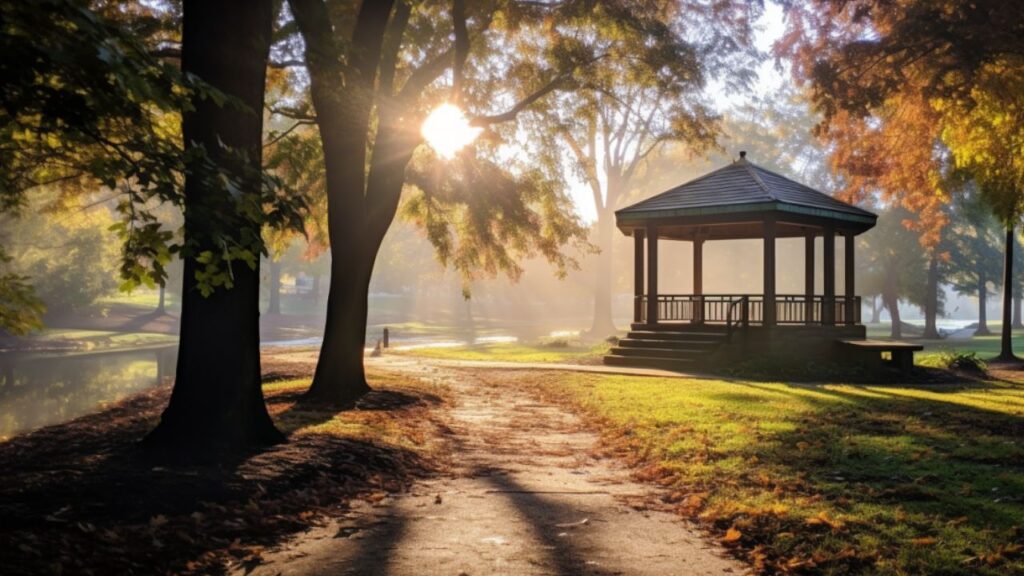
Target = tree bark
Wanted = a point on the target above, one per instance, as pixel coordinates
(1006, 341)
(891, 300)
(361, 202)
(876, 310)
(161, 307)
(931, 303)
(603, 325)
(1018, 324)
(217, 402)
(275, 288)
(982, 305)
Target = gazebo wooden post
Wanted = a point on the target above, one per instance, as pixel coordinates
(698, 280)
(769, 271)
(809, 278)
(638, 275)
(652, 274)
(828, 306)
(848, 279)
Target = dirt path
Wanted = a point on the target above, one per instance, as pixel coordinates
(525, 496)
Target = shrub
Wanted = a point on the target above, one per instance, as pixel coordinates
(555, 343)
(963, 361)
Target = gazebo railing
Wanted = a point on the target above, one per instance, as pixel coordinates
(790, 309)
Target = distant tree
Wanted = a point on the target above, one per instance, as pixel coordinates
(893, 264)
(67, 252)
(626, 109)
(973, 246)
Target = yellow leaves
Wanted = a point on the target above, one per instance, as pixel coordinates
(824, 520)
(732, 536)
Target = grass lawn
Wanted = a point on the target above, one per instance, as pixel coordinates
(832, 479)
(573, 353)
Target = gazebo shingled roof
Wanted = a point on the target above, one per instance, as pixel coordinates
(739, 193)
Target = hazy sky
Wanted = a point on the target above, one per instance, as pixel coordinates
(769, 29)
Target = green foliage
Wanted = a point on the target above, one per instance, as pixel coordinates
(974, 245)
(66, 255)
(483, 219)
(891, 261)
(20, 309)
(964, 361)
(86, 107)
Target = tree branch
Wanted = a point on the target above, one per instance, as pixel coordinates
(392, 46)
(461, 48)
(282, 135)
(511, 114)
(292, 113)
(278, 64)
(425, 74)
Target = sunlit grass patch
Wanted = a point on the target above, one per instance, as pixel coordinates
(827, 478)
(570, 352)
(396, 413)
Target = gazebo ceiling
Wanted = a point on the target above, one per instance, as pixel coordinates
(733, 202)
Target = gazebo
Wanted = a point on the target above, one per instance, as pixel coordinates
(740, 201)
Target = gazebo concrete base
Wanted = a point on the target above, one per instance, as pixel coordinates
(687, 346)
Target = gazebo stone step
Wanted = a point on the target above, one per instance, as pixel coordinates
(679, 364)
(679, 327)
(664, 335)
(674, 344)
(660, 352)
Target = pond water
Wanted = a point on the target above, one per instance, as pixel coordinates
(40, 390)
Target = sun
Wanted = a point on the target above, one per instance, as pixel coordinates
(447, 130)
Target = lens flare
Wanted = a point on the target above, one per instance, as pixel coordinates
(447, 130)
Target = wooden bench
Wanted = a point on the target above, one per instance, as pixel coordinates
(902, 353)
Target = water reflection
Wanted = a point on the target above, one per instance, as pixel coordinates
(40, 390)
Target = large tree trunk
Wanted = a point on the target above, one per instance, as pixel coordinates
(931, 304)
(603, 325)
(1006, 342)
(340, 379)
(361, 202)
(217, 402)
(982, 305)
(876, 310)
(275, 287)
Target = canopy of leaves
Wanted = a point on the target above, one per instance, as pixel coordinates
(889, 79)
(87, 106)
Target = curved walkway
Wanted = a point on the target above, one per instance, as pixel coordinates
(526, 495)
